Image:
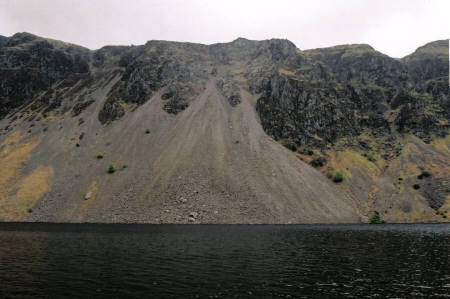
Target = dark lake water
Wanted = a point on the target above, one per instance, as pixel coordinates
(224, 261)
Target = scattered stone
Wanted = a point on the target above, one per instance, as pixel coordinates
(88, 195)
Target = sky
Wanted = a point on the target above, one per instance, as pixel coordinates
(393, 27)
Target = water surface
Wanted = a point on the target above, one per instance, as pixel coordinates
(223, 261)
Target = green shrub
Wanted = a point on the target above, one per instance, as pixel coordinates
(424, 174)
(416, 186)
(99, 155)
(318, 161)
(236, 142)
(147, 131)
(447, 188)
(111, 168)
(375, 218)
(124, 166)
(400, 179)
(338, 177)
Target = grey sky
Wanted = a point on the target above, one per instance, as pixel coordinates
(394, 27)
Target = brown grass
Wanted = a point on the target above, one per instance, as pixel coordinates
(18, 194)
(29, 190)
(14, 153)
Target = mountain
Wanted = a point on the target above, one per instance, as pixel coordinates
(239, 132)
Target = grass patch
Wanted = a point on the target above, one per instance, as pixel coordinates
(28, 191)
(13, 155)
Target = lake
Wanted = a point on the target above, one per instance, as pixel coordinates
(224, 261)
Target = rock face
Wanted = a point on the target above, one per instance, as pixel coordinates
(351, 89)
(31, 65)
(376, 121)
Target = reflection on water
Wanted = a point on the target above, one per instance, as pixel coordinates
(310, 261)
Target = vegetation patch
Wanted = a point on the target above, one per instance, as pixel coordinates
(23, 195)
(111, 168)
(99, 155)
(318, 161)
(14, 153)
(375, 218)
(424, 174)
(338, 177)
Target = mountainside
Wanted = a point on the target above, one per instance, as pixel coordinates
(239, 132)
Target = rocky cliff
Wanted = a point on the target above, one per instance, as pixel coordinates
(240, 132)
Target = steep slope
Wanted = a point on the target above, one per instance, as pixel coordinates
(191, 133)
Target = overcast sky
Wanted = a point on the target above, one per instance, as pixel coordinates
(394, 27)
